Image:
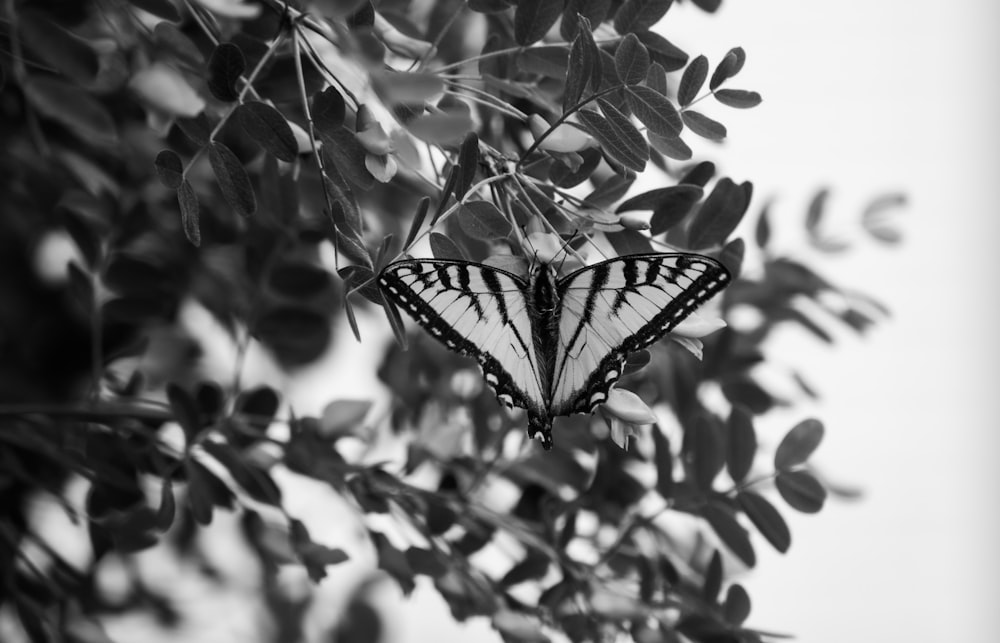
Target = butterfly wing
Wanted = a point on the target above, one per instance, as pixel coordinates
(616, 307)
(474, 310)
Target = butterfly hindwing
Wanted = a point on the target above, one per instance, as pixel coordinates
(619, 306)
(478, 311)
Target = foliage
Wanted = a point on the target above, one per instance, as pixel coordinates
(208, 153)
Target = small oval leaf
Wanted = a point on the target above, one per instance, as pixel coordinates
(801, 490)
(482, 220)
(766, 519)
(232, 178)
(631, 60)
(265, 125)
(742, 444)
(169, 169)
(225, 67)
(738, 98)
(692, 81)
(704, 126)
(798, 444)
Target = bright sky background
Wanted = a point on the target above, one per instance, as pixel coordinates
(869, 97)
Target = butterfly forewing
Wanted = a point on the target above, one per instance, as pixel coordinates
(478, 311)
(615, 307)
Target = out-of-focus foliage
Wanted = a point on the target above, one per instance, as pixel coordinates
(160, 155)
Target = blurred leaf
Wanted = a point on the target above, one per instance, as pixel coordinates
(259, 405)
(169, 37)
(410, 88)
(168, 507)
(516, 625)
(551, 61)
(198, 129)
(730, 532)
(225, 66)
(268, 128)
(708, 454)
(297, 279)
(713, 579)
(664, 463)
(250, 477)
(736, 608)
(631, 60)
(342, 417)
(445, 129)
(732, 256)
(640, 15)
(801, 490)
(609, 191)
(233, 179)
(719, 215)
(742, 444)
(393, 561)
(482, 220)
(205, 491)
(185, 411)
(532, 20)
(700, 174)
(72, 108)
(654, 111)
(703, 126)
(187, 200)
(160, 8)
(798, 444)
(58, 47)
(629, 242)
(766, 519)
(136, 310)
(744, 391)
(762, 233)
(426, 562)
(680, 197)
(314, 556)
(692, 81)
(739, 98)
(443, 247)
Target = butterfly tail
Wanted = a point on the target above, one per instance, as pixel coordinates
(540, 426)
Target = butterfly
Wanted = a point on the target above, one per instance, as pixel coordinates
(548, 344)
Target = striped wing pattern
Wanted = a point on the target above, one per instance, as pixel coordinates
(619, 306)
(478, 311)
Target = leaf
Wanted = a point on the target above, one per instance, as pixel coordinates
(762, 233)
(426, 562)
(703, 126)
(618, 137)
(798, 444)
(443, 247)
(169, 37)
(766, 519)
(629, 242)
(692, 81)
(816, 211)
(729, 66)
(169, 169)
(188, 202)
(742, 444)
(582, 58)
(609, 191)
(393, 561)
(660, 197)
(57, 47)
(654, 111)
(198, 129)
(736, 609)
(631, 60)
(640, 15)
(801, 490)
(73, 108)
(198, 495)
(534, 18)
(265, 125)
(732, 256)
(232, 178)
(670, 146)
(700, 174)
(342, 151)
(482, 220)
(225, 66)
(468, 164)
(418, 221)
(662, 51)
(328, 110)
(656, 79)
(299, 279)
(719, 215)
(135, 310)
(738, 98)
(592, 11)
(730, 532)
(713, 578)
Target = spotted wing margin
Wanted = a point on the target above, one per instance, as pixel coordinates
(616, 307)
(474, 310)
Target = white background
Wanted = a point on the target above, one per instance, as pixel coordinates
(869, 97)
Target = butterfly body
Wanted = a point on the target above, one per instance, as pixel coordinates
(548, 344)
